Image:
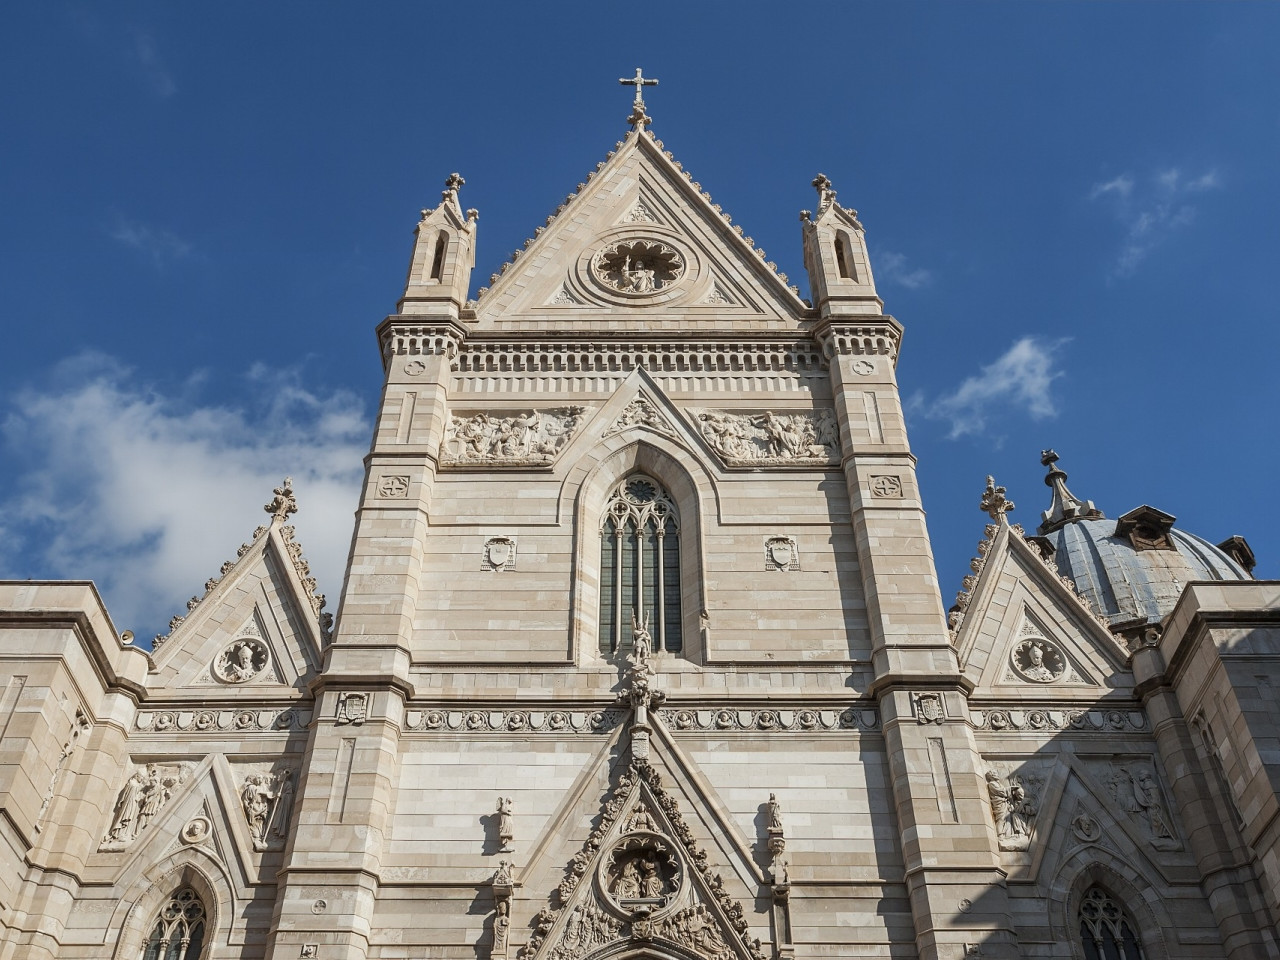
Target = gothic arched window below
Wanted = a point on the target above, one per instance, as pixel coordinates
(640, 566)
(1106, 932)
(178, 933)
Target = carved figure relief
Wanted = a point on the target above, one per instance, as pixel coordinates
(241, 660)
(641, 873)
(196, 830)
(1135, 790)
(267, 801)
(499, 554)
(771, 439)
(1014, 800)
(1038, 660)
(640, 412)
(532, 438)
(143, 796)
(781, 553)
(638, 267)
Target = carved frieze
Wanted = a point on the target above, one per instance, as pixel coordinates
(216, 721)
(513, 721)
(1037, 719)
(783, 720)
(770, 439)
(526, 439)
(144, 794)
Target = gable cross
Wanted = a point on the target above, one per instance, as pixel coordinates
(639, 81)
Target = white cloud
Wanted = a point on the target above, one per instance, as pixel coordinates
(153, 67)
(892, 268)
(1020, 380)
(1151, 211)
(147, 494)
(158, 244)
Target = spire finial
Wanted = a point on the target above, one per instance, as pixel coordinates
(826, 193)
(639, 81)
(451, 185)
(994, 503)
(1065, 507)
(283, 503)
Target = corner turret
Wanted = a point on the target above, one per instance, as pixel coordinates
(835, 255)
(443, 255)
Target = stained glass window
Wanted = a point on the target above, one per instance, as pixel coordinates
(640, 566)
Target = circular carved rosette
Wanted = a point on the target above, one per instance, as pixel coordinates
(241, 660)
(1038, 660)
(637, 266)
(641, 876)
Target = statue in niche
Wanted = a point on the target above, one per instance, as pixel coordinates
(255, 798)
(267, 801)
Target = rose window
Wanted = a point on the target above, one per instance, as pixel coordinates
(638, 267)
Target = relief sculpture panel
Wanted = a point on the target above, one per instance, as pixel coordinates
(525, 439)
(771, 439)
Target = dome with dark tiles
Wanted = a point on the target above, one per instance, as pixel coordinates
(1131, 569)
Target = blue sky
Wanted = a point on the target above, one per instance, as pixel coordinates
(1071, 208)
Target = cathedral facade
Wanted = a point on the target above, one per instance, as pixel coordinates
(641, 653)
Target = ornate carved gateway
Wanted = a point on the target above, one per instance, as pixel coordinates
(641, 653)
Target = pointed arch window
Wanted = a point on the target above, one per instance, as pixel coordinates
(844, 257)
(640, 565)
(1106, 932)
(437, 264)
(178, 933)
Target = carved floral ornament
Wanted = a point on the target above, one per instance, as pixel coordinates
(637, 267)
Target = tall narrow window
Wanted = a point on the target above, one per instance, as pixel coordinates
(844, 261)
(1106, 933)
(179, 930)
(437, 265)
(640, 566)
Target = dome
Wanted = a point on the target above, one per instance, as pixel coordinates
(1132, 569)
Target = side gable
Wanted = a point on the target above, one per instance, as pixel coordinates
(259, 625)
(639, 242)
(1024, 630)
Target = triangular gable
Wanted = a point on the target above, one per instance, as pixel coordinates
(257, 626)
(589, 262)
(204, 810)
(1025, 628)
(642, 877)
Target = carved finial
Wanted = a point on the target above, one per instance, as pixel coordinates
(1065, 507)
(473, 214)
(283, 503)
(826, 193)
(638, 117)
(994, 503)
(453, 182)
(806, 215)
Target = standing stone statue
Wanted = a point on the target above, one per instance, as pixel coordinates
(506, 829)
(775, 814)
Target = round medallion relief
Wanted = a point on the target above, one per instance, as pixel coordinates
(642, 874)
(241, 660)
(1038, 661)
(637, 266)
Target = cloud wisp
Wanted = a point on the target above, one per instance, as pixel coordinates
(160, 246)
(1151, 210)
(1019, 380)
(147, 494)
(157, 74)
(892, 268)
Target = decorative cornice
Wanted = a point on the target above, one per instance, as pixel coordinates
(219, 721)
(1028, 718)
(723, 718)
(880, 338)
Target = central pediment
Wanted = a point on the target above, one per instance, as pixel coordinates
(640, 242)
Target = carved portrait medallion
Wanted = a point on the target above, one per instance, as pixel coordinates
(641, 874)
(637, 266)
(241, 660)
(1038, 660)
